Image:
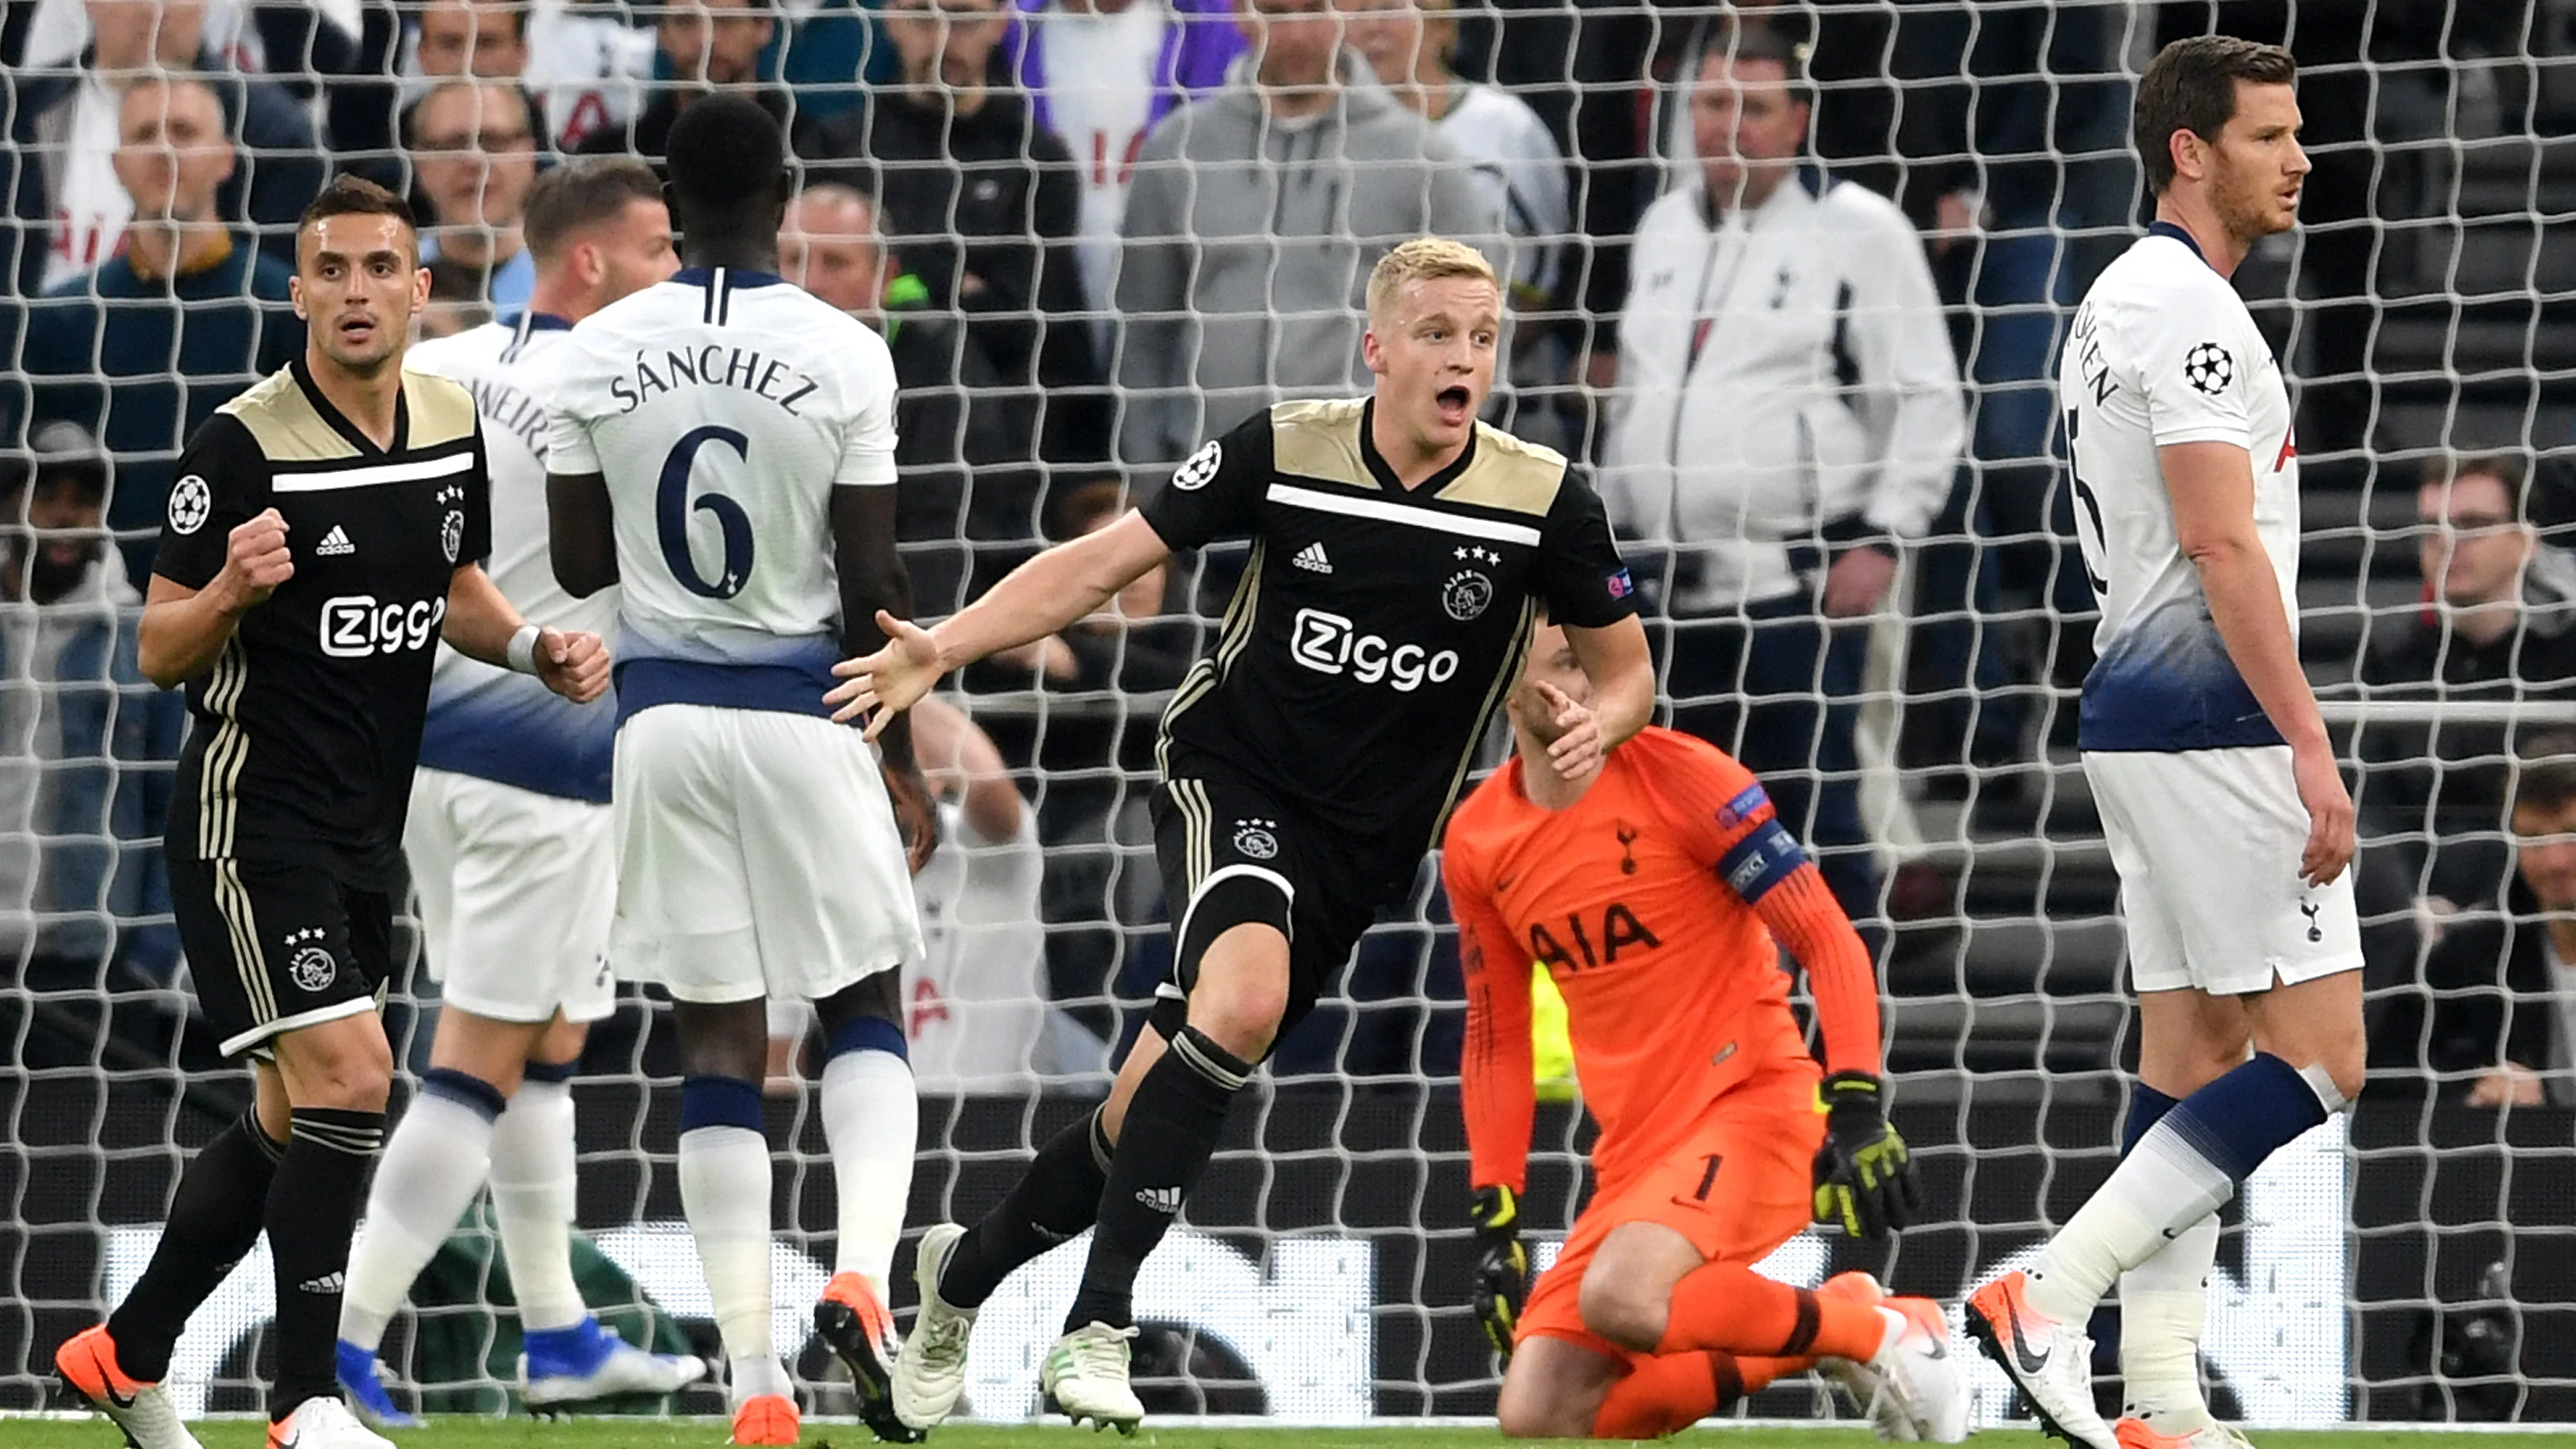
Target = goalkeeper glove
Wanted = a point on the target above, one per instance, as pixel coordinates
(1502, 1265)
(1864, 1177)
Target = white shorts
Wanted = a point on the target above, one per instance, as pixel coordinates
(757, 855)
(2207, 843)
(515, 894)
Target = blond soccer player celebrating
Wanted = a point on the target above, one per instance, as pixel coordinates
(1400, 551)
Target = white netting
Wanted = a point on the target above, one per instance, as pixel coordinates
(2420, 310)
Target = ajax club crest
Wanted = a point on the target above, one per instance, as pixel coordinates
(451, 529)
(311, 966)
(1253, 838)
(1469, 590)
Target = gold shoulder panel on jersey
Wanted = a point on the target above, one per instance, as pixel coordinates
(1508, 473)
(1320, 439)
(442, 411)
(283, 422)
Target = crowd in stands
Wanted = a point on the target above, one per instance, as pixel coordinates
(1788, 280)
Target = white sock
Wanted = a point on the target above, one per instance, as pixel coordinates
(2164, 1305)
(724, 1189)
(432, 1170)
(532, 1202)
(870, 1118)
(2161, 1184)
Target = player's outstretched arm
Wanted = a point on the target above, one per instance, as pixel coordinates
(183, 629)
(1065, 583)
(581, 532)
(1622, 672)
(2212, 486)
(1495, 1094)
(483, 624)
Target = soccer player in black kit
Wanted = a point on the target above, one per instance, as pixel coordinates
(1400, 554)
(325, 532)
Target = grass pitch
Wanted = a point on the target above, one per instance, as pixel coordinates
(459, 1433)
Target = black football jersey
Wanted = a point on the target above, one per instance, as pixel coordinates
(1376, 628)
(307, 728)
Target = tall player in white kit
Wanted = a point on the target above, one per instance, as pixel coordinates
(723, 449)
(508, 840)
(2220, 796)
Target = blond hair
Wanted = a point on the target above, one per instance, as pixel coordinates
(1425, 259)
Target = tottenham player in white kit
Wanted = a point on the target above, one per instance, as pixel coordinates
(2219, 792)
(723, 450)
(509, 845)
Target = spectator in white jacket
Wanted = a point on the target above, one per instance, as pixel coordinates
(1788, 415)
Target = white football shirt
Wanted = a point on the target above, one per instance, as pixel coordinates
(484, 720)
(1100, 89)
(2163, 351)
(723, 407)
(91, 207)
(976, 1004)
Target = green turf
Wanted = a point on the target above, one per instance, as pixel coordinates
(709, 1434)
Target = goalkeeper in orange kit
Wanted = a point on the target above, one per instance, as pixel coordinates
(1653, 891)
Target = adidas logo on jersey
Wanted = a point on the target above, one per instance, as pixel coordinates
(1160, 1199)
(335, 543)
(327, 1283)
(1312, 557)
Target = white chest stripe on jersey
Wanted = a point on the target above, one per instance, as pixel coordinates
(374, 474)
(1385, 512)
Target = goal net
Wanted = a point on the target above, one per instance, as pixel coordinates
(2409, 1262)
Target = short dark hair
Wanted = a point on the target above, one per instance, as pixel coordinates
(2191, 86)
(2506, 468)
(2545, 778)
(357, 196)
(1742, 42)
(724, 152)
(582, 193)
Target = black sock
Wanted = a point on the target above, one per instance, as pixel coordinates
(1172, 1126)
(312, 1214)
(214, 1220)
(1056, 1198)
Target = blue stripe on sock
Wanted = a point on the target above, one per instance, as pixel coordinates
(550, 1071)
(867, 1034)
(465, 1089)
(719, 1102)
(2244, 1117)
(2147, 1107)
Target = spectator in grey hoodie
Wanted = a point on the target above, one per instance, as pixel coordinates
(1255, 216)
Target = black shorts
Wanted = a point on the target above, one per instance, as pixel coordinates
(274, 946)
(1232, 853)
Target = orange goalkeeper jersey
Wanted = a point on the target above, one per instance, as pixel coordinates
(1654, 902)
